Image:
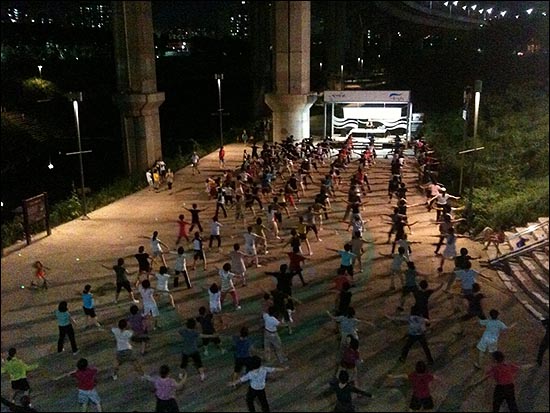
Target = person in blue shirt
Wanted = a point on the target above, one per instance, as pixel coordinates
(89, 307)
(243, 352)
(346, 258)
(65, 324)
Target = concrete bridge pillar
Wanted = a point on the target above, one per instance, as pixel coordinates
(291, 99)
(137, 99)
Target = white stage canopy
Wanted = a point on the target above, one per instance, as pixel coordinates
(384, 110)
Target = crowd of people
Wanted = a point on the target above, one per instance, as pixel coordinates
(269, 198)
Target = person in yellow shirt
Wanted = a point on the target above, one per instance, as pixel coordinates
(17, 370)
(156, 179)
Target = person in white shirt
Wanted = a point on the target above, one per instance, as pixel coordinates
(124, 350)
(227, 285)
(180, 267)
(149, 177)
(162, 284)
(195, 162)
(150, 307)
(489, 339)
(214, 299)
(250, 244)
(198, 251)
(215, 232)
(271, 337)
(257, 378)
(156, 248)
(441, 199)
(237, 262)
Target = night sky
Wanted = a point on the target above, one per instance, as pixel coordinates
(168, 14)
(207, 14)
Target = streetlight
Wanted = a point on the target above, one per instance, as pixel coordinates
(219, 78)
(466, 117)
(477, 99)
(342, 76)
(75, 98)
(40, 70)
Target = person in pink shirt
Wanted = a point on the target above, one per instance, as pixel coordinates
(165, 389)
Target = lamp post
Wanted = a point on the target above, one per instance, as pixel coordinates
(342, 76)
(40, 70)
(75, 98)
(219, 78)
(477, 99)
(466, 117)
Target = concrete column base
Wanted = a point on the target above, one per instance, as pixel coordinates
(290, 115)
(140, 129)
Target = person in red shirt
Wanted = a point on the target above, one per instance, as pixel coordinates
(493, 237)
(221, 156)
(40, 273)
(341, 278)
(295, 265)
(504, 375)
(183, 229)
(420, 380)
(86, 380)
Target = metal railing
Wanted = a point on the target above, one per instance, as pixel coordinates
(520, 251)
(529, 230)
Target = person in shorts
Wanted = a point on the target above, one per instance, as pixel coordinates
(89, 307)
(489, 339)
(144, 263)
(124, 350)
(180, 268)
(86, 378)
(17, 370)
(138, 324)
(206, 320)
(198, 251)
(250, 244)
(190, 349)
(122, 280)
(162, 284)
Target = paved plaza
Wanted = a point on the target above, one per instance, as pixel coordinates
(76, 251)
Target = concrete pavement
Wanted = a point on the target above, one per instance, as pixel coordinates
(75, 252)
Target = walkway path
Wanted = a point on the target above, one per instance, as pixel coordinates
(75, 252)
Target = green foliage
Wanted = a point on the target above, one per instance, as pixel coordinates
(510, 176)
(12, 232)
(65, 211)
(494, 207)
(35, 89)
(20, 138)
